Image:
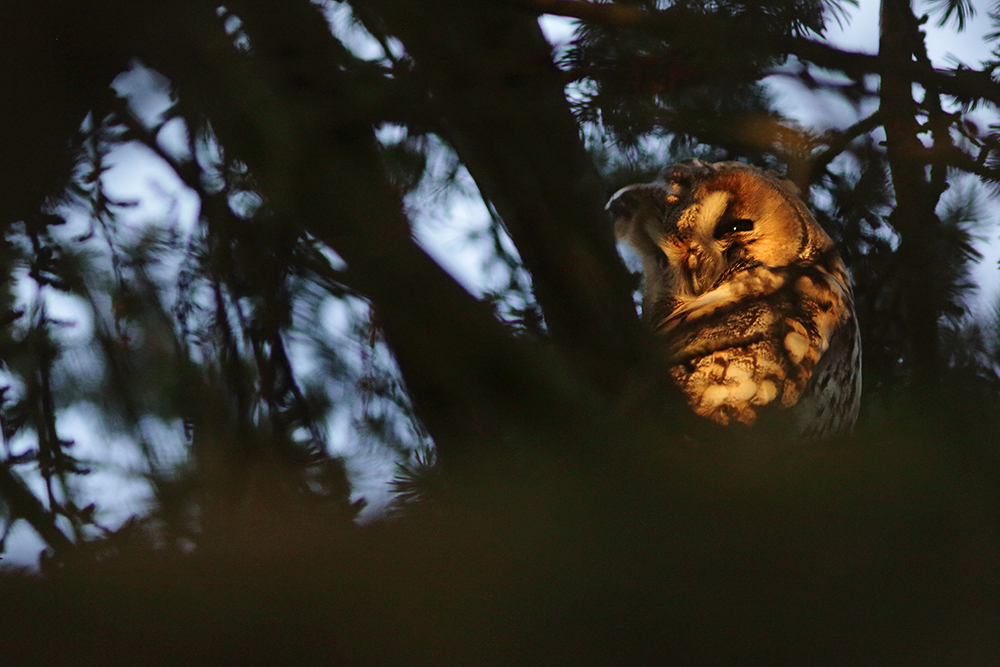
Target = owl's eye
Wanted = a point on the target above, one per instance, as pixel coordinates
(728, 226)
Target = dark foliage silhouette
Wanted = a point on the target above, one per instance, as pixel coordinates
(555, 500)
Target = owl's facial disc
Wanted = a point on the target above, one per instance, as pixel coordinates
(693, 247)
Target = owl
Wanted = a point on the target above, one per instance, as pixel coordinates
(749, 295)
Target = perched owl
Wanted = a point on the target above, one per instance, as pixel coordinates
(749, 294)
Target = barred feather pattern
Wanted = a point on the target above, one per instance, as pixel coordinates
(749, 295)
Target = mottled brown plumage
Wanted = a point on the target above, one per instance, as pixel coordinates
(749, 294)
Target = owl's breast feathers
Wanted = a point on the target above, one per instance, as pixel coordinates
(769, 339)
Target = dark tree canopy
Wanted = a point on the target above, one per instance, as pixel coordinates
(261, 361)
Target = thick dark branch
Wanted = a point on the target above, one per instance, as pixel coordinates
(913, 217)
(507, 117)
(939, 121)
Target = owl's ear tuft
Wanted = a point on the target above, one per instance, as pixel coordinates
(785, 182)
(682, 174)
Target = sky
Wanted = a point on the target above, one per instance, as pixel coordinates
(444, 232)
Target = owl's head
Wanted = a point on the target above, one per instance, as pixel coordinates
(698, 224)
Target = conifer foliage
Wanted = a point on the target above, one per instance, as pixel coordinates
(267, 357)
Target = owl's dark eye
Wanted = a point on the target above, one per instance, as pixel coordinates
(728, 226)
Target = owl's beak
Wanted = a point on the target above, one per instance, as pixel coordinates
(692, 266)
(691, 259)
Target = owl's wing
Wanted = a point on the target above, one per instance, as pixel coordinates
(754, 342)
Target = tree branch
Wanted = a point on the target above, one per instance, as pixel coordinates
(289, 113)
(913, 215)
(506, 114)
(964, 84)
(23, 504)
(836, 143)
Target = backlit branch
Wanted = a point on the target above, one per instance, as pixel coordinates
(964, 84)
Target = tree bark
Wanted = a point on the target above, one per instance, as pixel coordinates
(914, 216)
(506, 114)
